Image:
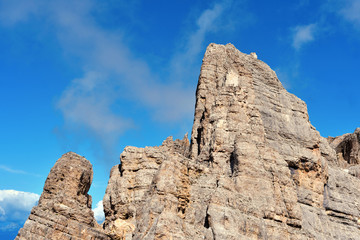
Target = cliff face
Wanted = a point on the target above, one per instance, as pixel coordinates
(255, 167)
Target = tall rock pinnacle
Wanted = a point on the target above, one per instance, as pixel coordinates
(64, 209)
(255, 168)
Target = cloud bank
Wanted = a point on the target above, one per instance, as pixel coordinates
(15, 207)
(99, 212)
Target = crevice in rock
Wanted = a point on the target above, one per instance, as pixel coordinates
(326, 196)
(295, 224)
(128, 215)
(199, 133)
(346, 151)
(112, 207)
(181, 209)
(198, 139)
(120, 169)
(234, 163)
(206, 223)
(211, 160)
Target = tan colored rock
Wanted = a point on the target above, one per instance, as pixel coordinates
(148, 189)
(64, 209)
(258, 143)
(256, 168)
(120, 229)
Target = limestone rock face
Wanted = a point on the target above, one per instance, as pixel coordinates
(255, 167)
(64, 209)
(149, 189)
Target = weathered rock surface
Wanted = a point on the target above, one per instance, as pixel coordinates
(64, 209)
(255, 168)
(347, 148)
(148, 192)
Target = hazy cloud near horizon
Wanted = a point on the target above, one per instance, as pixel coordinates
(15, 207)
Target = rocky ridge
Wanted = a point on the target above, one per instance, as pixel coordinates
(255, 168)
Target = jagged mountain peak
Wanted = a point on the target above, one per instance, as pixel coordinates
(255, 168)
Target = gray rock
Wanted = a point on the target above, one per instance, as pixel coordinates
(347, 148)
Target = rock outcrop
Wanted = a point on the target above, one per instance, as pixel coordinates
(64, 209)
(255, 168)
(347, 148)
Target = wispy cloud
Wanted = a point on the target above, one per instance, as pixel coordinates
(351, 12)
(113, 76)
(207, 22)
(12, 12)
(16, 171)
(344, 10)
(15, 207)
(303, 34)
(99, 212)
(123, 76)
(86, 103)
(10, 170)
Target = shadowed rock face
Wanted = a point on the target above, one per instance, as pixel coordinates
(64, 209)
(255, 168)
(347, 147)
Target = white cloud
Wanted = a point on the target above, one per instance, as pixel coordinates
(2, 213)
(120, 75)
(15, 207)
(99, 212)
(10, 170)
(303, 34)
(113, 76)
(205, 24)
(194, 43)
(86, 102)
(351, 12)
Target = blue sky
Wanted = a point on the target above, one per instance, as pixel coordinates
(95, 76)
